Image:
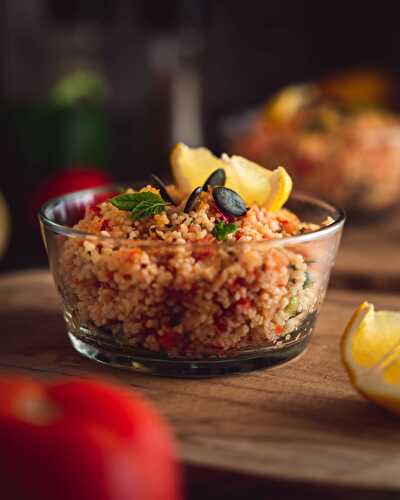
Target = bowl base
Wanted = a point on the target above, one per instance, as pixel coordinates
(189, 368)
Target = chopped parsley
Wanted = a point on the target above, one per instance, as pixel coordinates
(222, 229)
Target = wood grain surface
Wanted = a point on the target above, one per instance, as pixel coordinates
(299, 427)
(369, 256)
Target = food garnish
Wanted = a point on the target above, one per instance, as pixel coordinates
(191, 166)
(254, 183)
(217, 178)
(370, 349)
(223, 229)
(163, 189)
(229, 202)
(193, 200)
(141, 205)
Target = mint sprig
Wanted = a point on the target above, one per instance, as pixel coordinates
(222, 229)
(143, 204)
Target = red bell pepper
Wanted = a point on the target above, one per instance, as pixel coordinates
(82, 440)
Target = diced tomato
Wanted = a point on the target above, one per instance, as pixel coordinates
(239, 281)
(238, 235)
(105, 225)
(279, 329)
(202, 254)
(244, 302)
(220, 323)
(169, 339)
(95, 209)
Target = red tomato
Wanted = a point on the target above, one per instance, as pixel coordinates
(67, 181)
(82, 440)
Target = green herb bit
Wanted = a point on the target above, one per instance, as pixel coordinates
(143, 204)
(293, 305)
(222, 229)
(308, 281)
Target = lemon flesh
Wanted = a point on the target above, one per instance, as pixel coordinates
(371, 355)
(192, 166)
(255, 184)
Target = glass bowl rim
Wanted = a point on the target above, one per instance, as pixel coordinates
(289, 240)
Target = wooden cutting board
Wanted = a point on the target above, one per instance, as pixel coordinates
(300, 426)
(369, 256)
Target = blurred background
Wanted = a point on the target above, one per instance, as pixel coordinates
(99, 89)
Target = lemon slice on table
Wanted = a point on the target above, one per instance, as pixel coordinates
(370, 350)
(254, 183)
(268, 188)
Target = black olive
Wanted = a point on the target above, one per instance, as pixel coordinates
(163, 189)
(229, 202)
(192, 200)
(217, 178)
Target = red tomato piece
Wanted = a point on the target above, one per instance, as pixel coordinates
(81, 440)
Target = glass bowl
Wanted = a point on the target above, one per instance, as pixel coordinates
(192, 309)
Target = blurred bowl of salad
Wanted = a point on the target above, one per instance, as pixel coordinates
(338, 137)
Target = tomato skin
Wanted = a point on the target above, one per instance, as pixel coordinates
(96, 441)
(67, 181)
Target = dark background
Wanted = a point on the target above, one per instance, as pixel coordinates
(213, 59)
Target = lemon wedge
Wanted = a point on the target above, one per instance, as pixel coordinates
(256, 184)
(370, 351)
(288, 101)
(192, 166)
(267, 188)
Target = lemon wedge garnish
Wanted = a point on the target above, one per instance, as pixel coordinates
(192, 166)
(254, 183)
(266, 188)
(370, 350)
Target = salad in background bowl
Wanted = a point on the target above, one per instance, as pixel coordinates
(339, 138)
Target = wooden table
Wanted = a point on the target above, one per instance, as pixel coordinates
(369, 256)
(297, 431)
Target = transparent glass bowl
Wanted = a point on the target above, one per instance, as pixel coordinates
(193, 309)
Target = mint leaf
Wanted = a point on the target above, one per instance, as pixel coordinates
(143, 204)
(124, 201)
(222, 229)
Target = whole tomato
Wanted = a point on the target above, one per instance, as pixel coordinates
(67, 181)
(82, 440)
